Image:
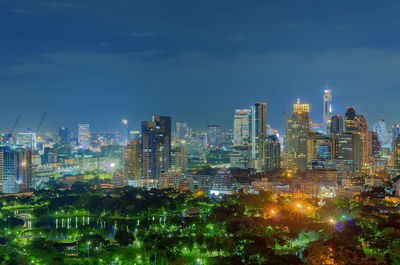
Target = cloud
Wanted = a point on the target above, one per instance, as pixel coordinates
(27, 12)
(143, 34)
(236, 37)
(62, 5)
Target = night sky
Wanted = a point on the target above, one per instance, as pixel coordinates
(98, 61)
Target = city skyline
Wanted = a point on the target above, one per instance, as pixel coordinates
(102, 69)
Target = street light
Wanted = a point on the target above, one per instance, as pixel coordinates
(88, 249)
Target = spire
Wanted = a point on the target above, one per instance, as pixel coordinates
(298, 100)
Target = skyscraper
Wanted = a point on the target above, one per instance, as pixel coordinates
(395, 133)
(214, 136)
(84, 136)
(182, 130)
(241, 125)
(16, 169)
(297, 128)
(327, 108)
(133, 163)
(384, 136)
(156, 149)
(258, 132)
(124, 132)
(336, 126)
(272, 153)
(350, 119)
(396, 154)
(64, 134)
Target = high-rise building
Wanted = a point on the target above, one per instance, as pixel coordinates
(133, 163)
(84, 136)
(241, 123)
(319, 151)
(16, 169)
(350, 119)
(64, 134)
(347, 150)
(156, 149)
(297, 128)
(327, 108)
(272, 153)
(124, 132)
(258, 132)
(239, 157)
(182, 130)
(336, 126)
(214, 136)
(384, 136)
(395, 132)
(179, 158)
(396, 154)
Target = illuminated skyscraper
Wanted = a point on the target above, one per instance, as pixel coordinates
(327, 110)
(84, 136)
(214, 136)
(133, 163)
(384, 136)
(156, 149)
(272, 153)
(319, 151)
(241, 122)
(297, 128)
(395, 132)
(182, 130)
(16, 169)
(64, 134)
(350, 119)
(125, 132)
(336, 126)
(396, 154)
(258, 132)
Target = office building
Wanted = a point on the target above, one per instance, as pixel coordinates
(214, 136)
(133, 163)
(319, 151)
(64, 134)
(395, 133)
(241, 130)
(327, 108)
(258, 132)
(182, 130)
(272, 153)
(336, 126)
(84, 136)
(124, 132)
(156, 149)
(296, 132)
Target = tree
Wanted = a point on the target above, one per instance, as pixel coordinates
(124, 238)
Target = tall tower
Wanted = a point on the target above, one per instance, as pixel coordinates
(395, 133)
(125, 132)
(297, 128)
(84, 136)
(258, 133)
(241, 124)
(132, 162)
(156, 149)
(327, 108)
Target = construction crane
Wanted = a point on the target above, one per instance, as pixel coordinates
(40, 124)
(15, 124)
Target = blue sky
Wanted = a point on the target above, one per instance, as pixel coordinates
(100, 61)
